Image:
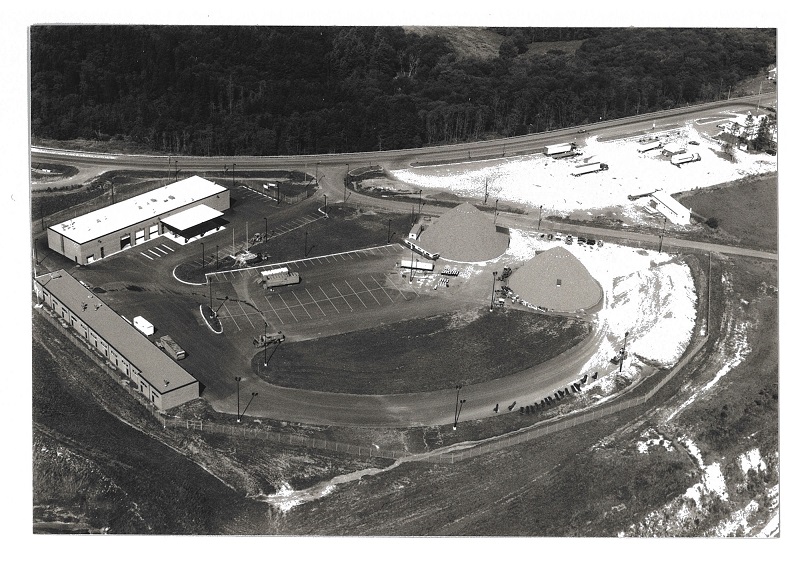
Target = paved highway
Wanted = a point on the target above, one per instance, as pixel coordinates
(433, 408)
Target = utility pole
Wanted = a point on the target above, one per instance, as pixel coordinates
(495, 210)
(266, 230)
(485, 190)
(234, 174)
(540, 218)
(203, 246)
(663, 233)
(217, 256)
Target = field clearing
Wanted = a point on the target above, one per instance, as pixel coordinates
(427, 354)
(747, 211)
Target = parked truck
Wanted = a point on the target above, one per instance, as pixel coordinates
(557, 149)
(279, 277)
(143, 326)
(589, 168)
(679, 159)
(173, 349)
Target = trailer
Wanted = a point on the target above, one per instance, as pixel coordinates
(143, 326)
(275, 271)
(281, 278)
(679, 159)
(554, 149)
(417, 264)
(420, 250)
(567, 154)
(589, 168)
(171, 348)
(649, 146)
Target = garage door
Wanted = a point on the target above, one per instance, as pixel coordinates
(154, 231)
(139, 236)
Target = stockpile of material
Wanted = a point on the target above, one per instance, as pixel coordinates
(555, 280)
(464, 234)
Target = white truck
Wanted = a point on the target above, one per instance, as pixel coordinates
(556, 149)
(589, 168)
(417, 264)
(679, 159)
(143, 326)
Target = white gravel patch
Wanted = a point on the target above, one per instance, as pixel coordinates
(540, 180)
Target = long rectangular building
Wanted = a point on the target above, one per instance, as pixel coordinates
(111, 229)
(160, 379)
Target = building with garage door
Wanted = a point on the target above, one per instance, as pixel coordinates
(186, 208)
(149, 370)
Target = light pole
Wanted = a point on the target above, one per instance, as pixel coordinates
(495, 210)
(203, 246)
(238, 416)
(316, 173)
(420, 202)
(220, 305)
(266, 230)
(485, 190)
(540, 218)
(624, 345)
(455, 416)
(325, 195)
(217, 254)
(494, 279)
(663, 233)
(252, 395)
(389, 232)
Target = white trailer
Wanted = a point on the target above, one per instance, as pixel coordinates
(417, 264)
(143, 326)
(276, 271)
(679, 159)
(589, 168)
(553, 149)
(649, 146)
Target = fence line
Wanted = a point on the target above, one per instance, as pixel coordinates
(493, 444)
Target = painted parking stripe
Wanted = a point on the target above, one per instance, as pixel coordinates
(329, 299)
(341, 295)
(402, 294)
(145, 255)
(315, 302)
(227, 310)
(273, 310)
(287, 308)
(370, 292)
(167, 247)
(301, 304)
(159, 250)
(156, 254)
(382, 288)
(356, 294)
(245, 314)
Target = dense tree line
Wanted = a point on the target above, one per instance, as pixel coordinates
(296, 90)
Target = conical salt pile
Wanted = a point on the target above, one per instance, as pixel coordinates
(464, 234)
(556, 280)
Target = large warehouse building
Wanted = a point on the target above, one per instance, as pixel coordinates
(160, 379)
(186, 208)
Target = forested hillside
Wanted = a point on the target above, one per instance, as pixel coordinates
(296, 90)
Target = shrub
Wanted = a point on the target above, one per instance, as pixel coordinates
(712, 222)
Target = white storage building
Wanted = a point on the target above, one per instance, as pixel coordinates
(186, 208)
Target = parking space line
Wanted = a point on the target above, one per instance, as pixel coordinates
(301, 304)
(273, 310)
(341, 295)
(225, 305)
(315, 302)
(246, 315)
(156, 254)
(381, 286)
(370, 292)
(396, 288)
(145, 255)
(159, 251)
(356, 294)
(168, 248)
(287, 308)
(329, 300)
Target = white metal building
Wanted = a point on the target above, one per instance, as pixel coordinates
(670, 208)
(150, 371)
(187, 207)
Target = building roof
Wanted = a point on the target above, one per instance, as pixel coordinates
(556, 280)
(670, 202)
(155, 366)
(191, 217)
(465, 234)
(137, 209)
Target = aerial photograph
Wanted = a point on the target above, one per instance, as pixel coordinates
(403, 281)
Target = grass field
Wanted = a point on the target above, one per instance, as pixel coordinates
(747, 211)
(426, 354)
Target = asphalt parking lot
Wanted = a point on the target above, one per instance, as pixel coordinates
(360, 283)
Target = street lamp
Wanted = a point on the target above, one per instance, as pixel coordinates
(495, 210)
(203, 246)
(494, 279)
(661, 238)
(540, 218)
(217, 254)
(252, 395)
(624, 345)
(325, 195)
(455, 416)
(238, 416)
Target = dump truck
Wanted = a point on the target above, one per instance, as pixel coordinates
(171, 348)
